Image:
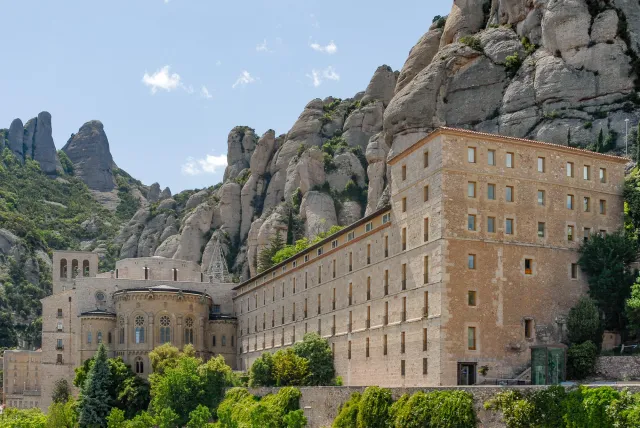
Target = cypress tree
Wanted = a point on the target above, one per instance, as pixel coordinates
(94, 405)
(599, 142)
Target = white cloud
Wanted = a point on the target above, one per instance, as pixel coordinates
(262, 47)
(210, 164)
(204, 92)
(330, 49)
(161, 79)
(319, 76)
(244, 79)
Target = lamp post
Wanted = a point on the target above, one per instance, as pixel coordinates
(626, 137)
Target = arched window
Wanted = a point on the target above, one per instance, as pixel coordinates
(188, 331)
(99, 337)
(121, 332)
(139, 365)
(139, 321)
(100, 299)
(89, 337)
(165, 329)
(85, 268)
(175, 274)
(63, 268)
(74, 268)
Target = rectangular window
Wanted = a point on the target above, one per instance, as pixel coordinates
(586, 204)
(425, 159)
(368, 227)
(528, 329)
(603, 206)
(471, 189)
(306, 258)
(333, 268)
(425, 269)
(574, 271)
(59, 313)
(586, 172)
(426, 229)
(569, 169)
(603, 175)
(293, 280)
(294, 263)
(351, 236)
(384, 345)
(333, 301)
(403, 273)
(350, 261)
(425, 309)
(366, 352)
(491, 157)
(404, 238)
(471, 298)
(402, 347)
(385, 320)
(425, 193)
(424, 366)
(510, 160)
(386, 245)
(424, 339)
(528, 266)
(404, 172)
(540, 164)
(349, 350)
(569, 233)
(404, 205)
(509, 194)
(540, 229)
(350, 293)
(491, 224)
(471, 261)
(491, 191)
(471, 222)
(587, 233)
(541, 197)
(402, 368)
(386, 218)
(570, 202)
(319, 274)
(471, 154)
(334, 243)
(471, 338)
(508, 228)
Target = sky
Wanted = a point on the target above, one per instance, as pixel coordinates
(170, 78)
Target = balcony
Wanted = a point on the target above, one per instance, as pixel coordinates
(60, 347)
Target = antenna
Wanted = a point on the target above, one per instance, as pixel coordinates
(218, 271)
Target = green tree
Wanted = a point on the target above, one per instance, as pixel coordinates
(265, 257)
(289, 369)
(606, 259)
(348, 414)
(61, 391)
(215, 375)
(167, 418)
(95, 403)
(116, 419)
(199, 418)
(632, 307)
(163, 357)
(584, 322)
(317, 351)
(373, 408)
(261, 371)
(295, 419)
(22, 418)
(581, 360)
(62, 414)
(632, 199)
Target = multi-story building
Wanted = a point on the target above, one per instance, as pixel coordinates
(473, 261)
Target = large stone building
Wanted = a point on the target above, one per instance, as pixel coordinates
(470, 264)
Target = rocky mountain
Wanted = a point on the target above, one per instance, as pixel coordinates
(561, 71)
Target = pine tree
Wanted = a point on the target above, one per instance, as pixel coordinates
(265, 256)
(94, 405)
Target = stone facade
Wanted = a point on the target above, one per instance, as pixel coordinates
(141, 304)
(429, 289)
(22, 379)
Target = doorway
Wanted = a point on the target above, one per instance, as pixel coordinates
(467, 373)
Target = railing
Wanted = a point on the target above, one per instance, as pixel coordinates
(504, 382)
(60, 347)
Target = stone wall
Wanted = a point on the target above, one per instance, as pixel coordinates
(322, 403)
(619, 368)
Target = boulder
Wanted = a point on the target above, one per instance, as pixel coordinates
(153, 195)
(196, 199)
(306, 130)
(363, 123)
(167, 204)
(382, 86)
(507, 12)
(419, 57)
(278, 169)
(252, 200)
(565, 25)
(520, 94)
(531, 27)
(168, 247)
(347, 167)
(16, 139)
(230, 209)
(605, 26)
(194, 229)
(7, 241)
(376, 154)
(349, 212)
(305, 173)
(554, 80)
(318, 212)
(44, 150)
(499, 43)
(263, 153)
(150, 236)
(466, 17)
(166, 193)
(240, 145)
(92, 161)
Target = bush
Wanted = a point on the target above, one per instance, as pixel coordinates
(584, 323)
(473, 42)
(587, 407)
(581, 360)
(317, 351)
(542, 408)
(512, 63)
(373, 409)
(261, 372)
(348, 415)
(241, 409)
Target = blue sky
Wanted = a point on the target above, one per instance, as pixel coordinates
(170, 78)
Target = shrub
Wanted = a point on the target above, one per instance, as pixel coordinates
(587, 407)
(581, 360)
(348, 415)
(288, 368)
(584, 323)
(453, 409)
(317, 351)
(373, 409)
(411, 412)
(473, 42)
(517, 412)
(440, 21)
(512, 63)
(261, 372)
(241, 409)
